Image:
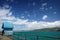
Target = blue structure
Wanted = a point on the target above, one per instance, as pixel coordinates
(7, 28)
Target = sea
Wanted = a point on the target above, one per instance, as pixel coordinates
(39, 35)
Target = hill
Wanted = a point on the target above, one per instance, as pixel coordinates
(49, 29)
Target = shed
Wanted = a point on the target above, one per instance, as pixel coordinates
(7, 26)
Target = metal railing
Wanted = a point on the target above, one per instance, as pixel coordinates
(37, 37)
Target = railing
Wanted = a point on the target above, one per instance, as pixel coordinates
(37, 37)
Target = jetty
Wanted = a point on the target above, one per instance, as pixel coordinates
(4, 37)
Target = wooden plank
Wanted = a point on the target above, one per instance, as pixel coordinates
(4, 38)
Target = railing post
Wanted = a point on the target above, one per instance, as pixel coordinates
(25, 37)
(36, 37)
(18, 37)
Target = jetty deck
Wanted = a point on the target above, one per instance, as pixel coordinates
(4, 37)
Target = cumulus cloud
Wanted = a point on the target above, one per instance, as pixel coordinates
(6, 15)
(38, 25)
(20, 21)
(44, 17)
(4, 12)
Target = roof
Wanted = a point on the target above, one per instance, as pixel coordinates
(7, 25)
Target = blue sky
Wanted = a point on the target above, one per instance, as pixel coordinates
(21, 12)
(36, 9)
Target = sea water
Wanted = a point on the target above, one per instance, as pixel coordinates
(28, 36)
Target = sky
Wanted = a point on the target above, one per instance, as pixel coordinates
(30, 14)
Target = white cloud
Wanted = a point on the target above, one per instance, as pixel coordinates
(39, 25)
(10, 0)
(22, 16)
(50, 7)
(10, 18)
(55, 12)
(10, 14)
(27, 25)
(6, 6)
(44, 17)
(6, 15)
(42, 8)
(28, 15)
(44, 4)
(34, 3)
(4, 12)
(20, 21)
